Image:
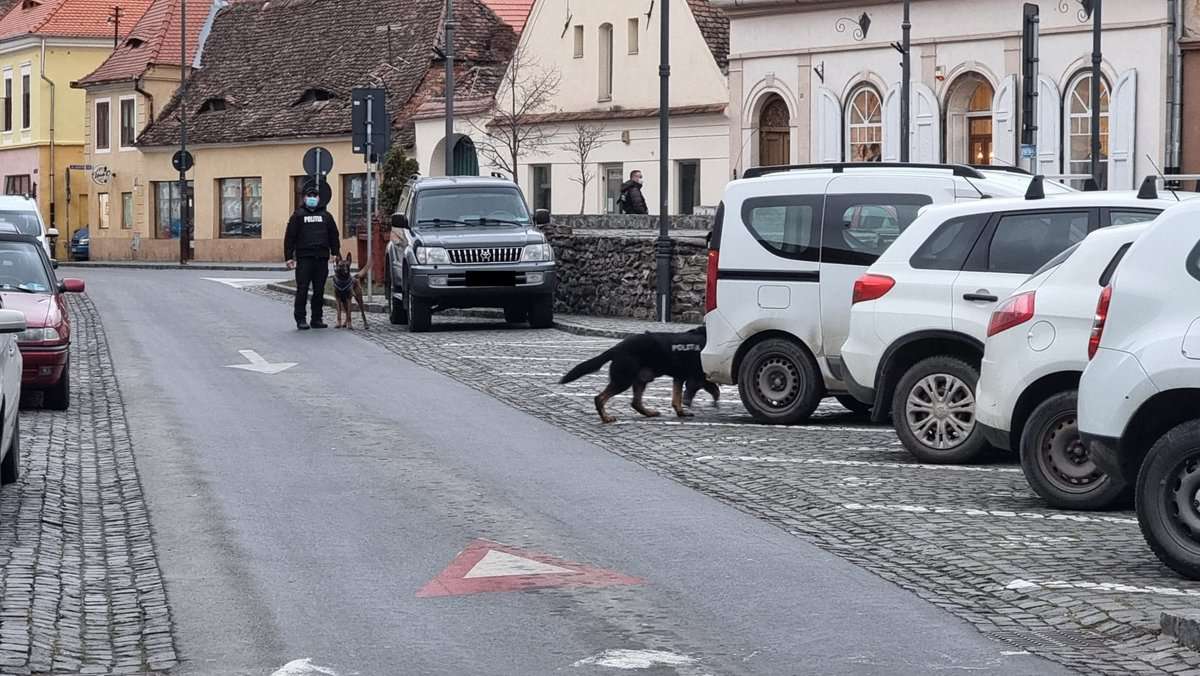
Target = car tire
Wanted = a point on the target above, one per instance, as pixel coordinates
(1056, 462)
(515, 314)
(853, 405)
(942, 390)
(1167, 512)
(541, 313)
(10, 468)
(58, 397)
(420, 313)
(397, 314)
(779, 382)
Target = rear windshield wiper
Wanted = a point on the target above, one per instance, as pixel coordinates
(441, 221)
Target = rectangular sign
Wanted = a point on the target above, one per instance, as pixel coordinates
(369, 108)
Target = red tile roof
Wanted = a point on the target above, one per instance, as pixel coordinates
(69, 18)
(153, 41)
(512, 12)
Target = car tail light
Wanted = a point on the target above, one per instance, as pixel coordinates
(1101, 319)
(710, 286)
(1014, 312)
(871, 287)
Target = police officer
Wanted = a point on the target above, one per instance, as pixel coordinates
(312, 236)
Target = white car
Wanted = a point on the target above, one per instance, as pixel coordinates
(1035, 353)
(787, 245)
(12, 324)
(1139, 399)
(21, 216)
(921, 312)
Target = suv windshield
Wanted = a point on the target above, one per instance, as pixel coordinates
(472, 206)
(20, 222)
(21, 268)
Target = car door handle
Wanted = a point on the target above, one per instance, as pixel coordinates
(980, 297)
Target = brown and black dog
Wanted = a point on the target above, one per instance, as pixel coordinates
(638, 360)
(347, 287)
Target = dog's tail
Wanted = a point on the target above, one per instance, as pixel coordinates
(588, 367)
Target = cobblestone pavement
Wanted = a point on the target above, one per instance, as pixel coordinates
(80, 587)
(1079, 588)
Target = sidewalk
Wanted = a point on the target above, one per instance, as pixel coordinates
(581, 325)
(195, 265)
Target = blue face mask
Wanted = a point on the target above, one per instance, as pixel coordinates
(312, 202)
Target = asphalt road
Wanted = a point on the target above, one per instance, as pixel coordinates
(298, 514)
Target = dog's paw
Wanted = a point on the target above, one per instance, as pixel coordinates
(608, 419)
(650, 413)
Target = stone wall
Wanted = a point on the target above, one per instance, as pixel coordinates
(630, 222)
(612, 272)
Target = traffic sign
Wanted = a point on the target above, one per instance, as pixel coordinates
(318, 162)
(486, 566)
(183, 161)
(369, 109)
(1028, 152)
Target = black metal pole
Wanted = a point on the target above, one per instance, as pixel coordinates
(185, 234)
(1097, 82)
(663, 247)
(905, 84)
(450, 87)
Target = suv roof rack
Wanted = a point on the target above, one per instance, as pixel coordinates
(1007, 168)
(838, 167)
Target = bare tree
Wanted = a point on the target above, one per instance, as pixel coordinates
(583, 141)
(504, 131)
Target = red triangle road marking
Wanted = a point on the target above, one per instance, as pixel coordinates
(486, 566)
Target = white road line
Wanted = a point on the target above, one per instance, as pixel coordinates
(504, 357)
(528, 374)
(591, 344)
(303, 667)
(1107, 587)
(854, 463)
(635, 659)
(744, 425)
(922, 509)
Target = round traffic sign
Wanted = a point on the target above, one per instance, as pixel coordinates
(183, 160)
(318, 161)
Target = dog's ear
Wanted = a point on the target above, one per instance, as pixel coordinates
(349, 256)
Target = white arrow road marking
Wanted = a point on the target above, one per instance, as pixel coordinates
(259, 365)
(243, 282)
(1110, 587)
(503, 564)
(619, 658)
(303, 667)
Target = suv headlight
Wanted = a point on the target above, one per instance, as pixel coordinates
(537, 253)
(44, 335)
(433, 256)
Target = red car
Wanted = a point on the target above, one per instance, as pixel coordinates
(28, 284)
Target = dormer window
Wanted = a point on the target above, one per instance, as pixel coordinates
(315, 94)
(212, 105)
(30, 4)
(134, 43)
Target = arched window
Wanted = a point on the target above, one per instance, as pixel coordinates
(606, 62)
(1078, 126)
(864, 126)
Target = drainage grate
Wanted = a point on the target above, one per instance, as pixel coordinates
(1049, 640)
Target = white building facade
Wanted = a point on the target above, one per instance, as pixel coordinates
(818, 81)
(606, 55)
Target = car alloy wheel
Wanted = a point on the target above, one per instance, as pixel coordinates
(940, 411)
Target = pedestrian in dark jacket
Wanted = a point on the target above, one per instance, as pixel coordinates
(312, 236)
(632, 201)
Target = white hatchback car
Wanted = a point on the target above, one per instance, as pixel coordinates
(20, 215)
(12, 324)
(1035, 353)
(786, 247)
(1139, 399)
(921, 312)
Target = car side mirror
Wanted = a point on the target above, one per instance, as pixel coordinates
(541, 217)
(72, 285)
(52, 232)
(12, 321)
(399, 222)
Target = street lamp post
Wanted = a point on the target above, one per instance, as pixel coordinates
(905, 83)
(663, 247)
(1097, 83)
(449, 143)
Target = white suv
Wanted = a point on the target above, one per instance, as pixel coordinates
(1035, 354)
(20, 215)
(1139, 399)
(921, 312)
(786, 247)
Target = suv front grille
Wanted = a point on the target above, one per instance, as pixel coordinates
(486, 255)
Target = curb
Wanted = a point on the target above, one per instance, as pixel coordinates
(1183, 626)
(563, 325)
(224, 267)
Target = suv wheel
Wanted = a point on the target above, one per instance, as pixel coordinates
(541, 313)
(779, 383)
(397, 314)
(934, 411)
(10, 468)
(420, 314)
(1057, 463)
(1167, 506)
(853, 405)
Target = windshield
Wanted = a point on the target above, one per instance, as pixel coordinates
(21, 222)
(483, 206)
(21, 268)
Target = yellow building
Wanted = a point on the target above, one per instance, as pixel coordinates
(43, 47)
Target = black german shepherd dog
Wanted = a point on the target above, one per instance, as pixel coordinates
(638, 360)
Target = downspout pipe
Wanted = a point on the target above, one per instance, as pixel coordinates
(1174, 159)
(53, 216)
(137, 87)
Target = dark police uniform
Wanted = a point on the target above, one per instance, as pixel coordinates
(312, 236)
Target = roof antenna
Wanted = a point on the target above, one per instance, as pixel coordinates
(982, 196)
(1037, 188)
(1164, 178)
